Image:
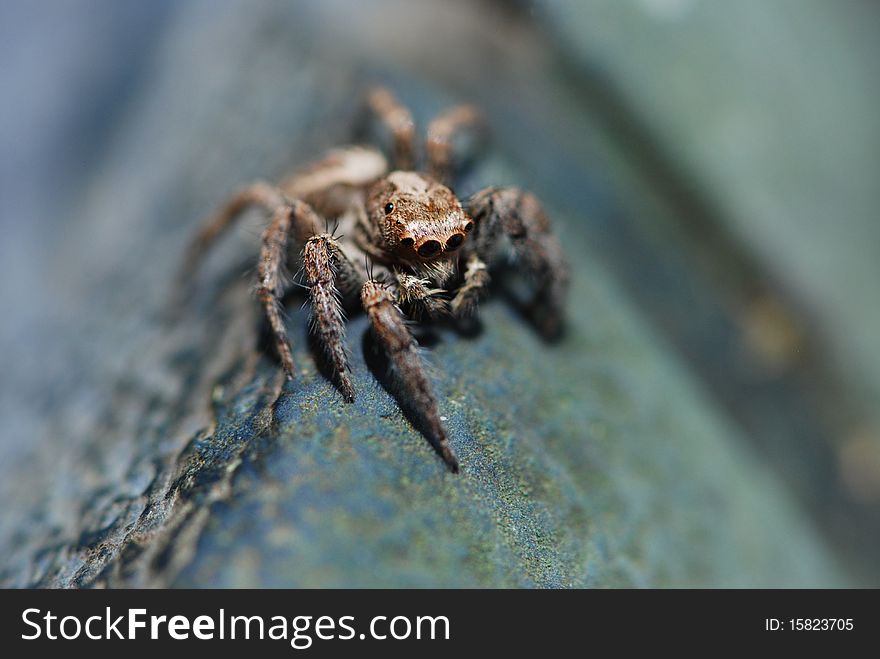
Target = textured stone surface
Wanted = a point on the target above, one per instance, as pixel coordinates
(163, 457)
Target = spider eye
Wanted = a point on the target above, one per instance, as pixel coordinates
(429, 248)
(389, 207)
(407, 242)
(454, 242)
(468, 226)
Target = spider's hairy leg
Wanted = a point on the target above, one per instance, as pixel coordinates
(397, 118)
(474, 288)
(352, 166)
(441, 134)
(519, 216)
(402, 349)
(328, 271)
(259, 193)
(270, 282)
(415, 295)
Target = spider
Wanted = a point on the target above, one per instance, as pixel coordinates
(407, 245)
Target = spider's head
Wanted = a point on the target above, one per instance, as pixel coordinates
(419, 219)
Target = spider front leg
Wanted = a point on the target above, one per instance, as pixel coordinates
(400, 345)
(518, 216)
(418, 298)
(473, 289)
(328, 273)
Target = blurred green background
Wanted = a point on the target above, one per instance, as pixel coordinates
(709, 420)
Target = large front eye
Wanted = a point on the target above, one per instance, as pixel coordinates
(454, 242)
(389, 207)
(429, 248)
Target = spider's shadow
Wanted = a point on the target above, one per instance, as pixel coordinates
(520, 295)
(380, 366)
(470, 327)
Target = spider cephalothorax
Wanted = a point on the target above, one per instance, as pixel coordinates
(418, 219)
(428, 253)
(416, 222)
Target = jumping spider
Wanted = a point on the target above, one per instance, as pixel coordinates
(406, 242)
